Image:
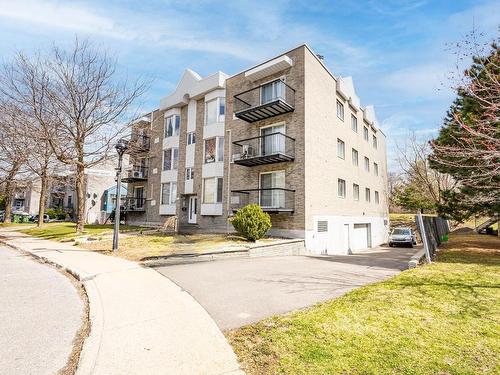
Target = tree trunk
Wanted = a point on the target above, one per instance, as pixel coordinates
(9, 191)
(80, 198)
(41, 204)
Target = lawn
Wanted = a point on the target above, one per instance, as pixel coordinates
(138, 247)
(443, 318)
(67, 231)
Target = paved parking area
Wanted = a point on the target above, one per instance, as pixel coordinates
(241, 291)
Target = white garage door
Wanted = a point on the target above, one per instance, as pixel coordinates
(360, 237)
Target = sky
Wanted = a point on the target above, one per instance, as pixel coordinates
(398, 52)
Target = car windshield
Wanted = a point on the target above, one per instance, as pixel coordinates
(399, 231)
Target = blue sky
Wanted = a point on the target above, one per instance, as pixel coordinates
(396, 51)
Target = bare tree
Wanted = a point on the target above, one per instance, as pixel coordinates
(80, 103)
(414, 164)
(12, 157)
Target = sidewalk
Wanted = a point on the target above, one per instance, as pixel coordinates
(141, 322)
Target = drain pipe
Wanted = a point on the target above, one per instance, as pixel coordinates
(228, 202)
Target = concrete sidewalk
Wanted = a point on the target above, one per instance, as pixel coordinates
(141, 322)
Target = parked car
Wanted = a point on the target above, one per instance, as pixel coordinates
(402, 236)
(46, 218)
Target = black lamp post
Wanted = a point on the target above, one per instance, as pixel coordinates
(120, 147)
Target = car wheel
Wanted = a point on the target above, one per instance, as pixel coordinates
(390, 244)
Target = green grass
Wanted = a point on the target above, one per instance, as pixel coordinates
(67, 231)
(443, 318)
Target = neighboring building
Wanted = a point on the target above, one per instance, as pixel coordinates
(99, 180)
(285, 134)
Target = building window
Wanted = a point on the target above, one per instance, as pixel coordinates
(375, 144)
(272, 91)
(355, 157)
(365, 133)
(168, 193)
(212, 190)
(340, 110)
(355, 192)
(354, 123)
(367, 164)
(191, 139)
(189, 174)
(367, 195)
(214, 111)
(214, 150)
(170, 159)
(272, 193)
(377, 199)
(341, 188)
(375, 168)
(340, 148)
(172, 126)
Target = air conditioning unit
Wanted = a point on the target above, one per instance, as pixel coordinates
(138, 174)
(248, 152)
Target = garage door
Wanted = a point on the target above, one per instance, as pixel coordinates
(360, 236)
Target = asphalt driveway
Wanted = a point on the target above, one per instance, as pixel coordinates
(241, 291)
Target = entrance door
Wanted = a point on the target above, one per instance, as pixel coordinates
(139, 197)
(361, 236)
(193, 202)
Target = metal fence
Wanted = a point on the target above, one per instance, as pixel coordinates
(432, 230)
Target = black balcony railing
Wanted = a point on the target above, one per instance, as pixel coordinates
(265, 101)
(266, 149)
(137, 173)
(272, 200)
(138, 143)
(135, 204)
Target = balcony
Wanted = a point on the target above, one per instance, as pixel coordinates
(138, 143)
(135, 204)
(272, 200)
(266, 149)
(265, 101)
(137, 174)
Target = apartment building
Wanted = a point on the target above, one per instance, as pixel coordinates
(285, 134)
(180, 170)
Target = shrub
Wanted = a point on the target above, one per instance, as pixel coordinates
(251, 222)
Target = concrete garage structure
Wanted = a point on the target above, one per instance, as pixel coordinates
(285, 134)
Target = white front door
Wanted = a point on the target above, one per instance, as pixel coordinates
(193, 202)
(346, 244)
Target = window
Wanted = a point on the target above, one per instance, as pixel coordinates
(340, 148)
(191, 138)
(214, 150)
(170, 159)
(212, 190)
(375, 144)
(367, 195)
(355, 192)
(340, 110)
(172, 126)
(354, 123)
(272, 91)
(375, 168)
(168, 193)
(341, 188)
(272, 193)
(367, 164)
(377, 198)
(365, 133)
(214, 111)
(189, 174)
(355, 157)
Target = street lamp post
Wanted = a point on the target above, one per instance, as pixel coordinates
(120, 147)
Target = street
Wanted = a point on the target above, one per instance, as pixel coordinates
(40, 314)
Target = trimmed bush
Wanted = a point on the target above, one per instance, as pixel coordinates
(251, 222)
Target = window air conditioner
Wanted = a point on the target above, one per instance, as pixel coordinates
(248, 151)
(138, 174)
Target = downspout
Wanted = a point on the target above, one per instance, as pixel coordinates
(228, 199)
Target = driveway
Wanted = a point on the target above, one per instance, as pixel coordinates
(40, 314)
(241, 291)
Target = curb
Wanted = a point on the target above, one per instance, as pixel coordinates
(416, 259)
